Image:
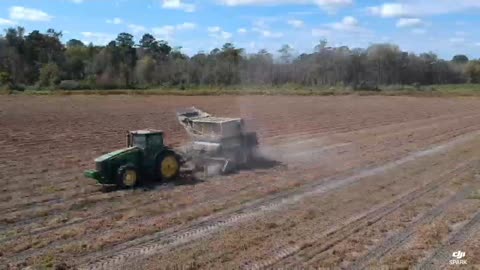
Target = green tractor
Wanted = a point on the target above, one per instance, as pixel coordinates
(146, 157)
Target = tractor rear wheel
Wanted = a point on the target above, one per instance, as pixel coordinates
(128, 176)
(168, 166)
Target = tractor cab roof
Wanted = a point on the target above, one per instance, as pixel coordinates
(146, 132)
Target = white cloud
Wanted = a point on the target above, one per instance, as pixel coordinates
(115, 21)
(267, 33)
(302, 13)
(409, 22)
(97, 38)
(457, 40)
(178, 4)
(348, 23)
(416, 8)
(320, 32)
(77, 1)
(328, 5)
(386, 39)
(225, 35)
(296, 23)
(262, 27)
(419, 31)
(6, 22)
(390, 10)
(137, 29)
(216, 32)
(333, 4)
(213, 29)
(28, 14)
(167, 31)
(242, 31)
(164, 32)
(348, 26)
(477, 44)
(264, 22)
(186, 26)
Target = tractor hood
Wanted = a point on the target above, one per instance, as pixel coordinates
(114, 153)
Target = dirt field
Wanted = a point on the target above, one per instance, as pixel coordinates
(357, 182)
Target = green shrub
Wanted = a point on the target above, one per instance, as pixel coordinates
(366, 86)
(49, 75)
(69, 85)
(417, 86)
(473, 71)
(5, 78)
(18, 87)
(107, 81)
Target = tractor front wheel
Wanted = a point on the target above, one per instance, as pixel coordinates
(168, 167)
(128, 176)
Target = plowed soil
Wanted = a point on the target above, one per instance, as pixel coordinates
(350, 182)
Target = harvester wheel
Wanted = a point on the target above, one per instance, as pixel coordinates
(168, 166)
(128, 176)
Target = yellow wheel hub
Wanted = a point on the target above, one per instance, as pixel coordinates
(169, 167)
(130, 178)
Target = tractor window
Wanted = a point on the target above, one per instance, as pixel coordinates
(156, 140)
(140, 141)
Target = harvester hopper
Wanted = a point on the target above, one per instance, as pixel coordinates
(219, 144)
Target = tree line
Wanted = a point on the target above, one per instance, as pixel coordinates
(41, 60)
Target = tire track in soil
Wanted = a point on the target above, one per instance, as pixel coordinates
(53, 244)
(102, 215)
(347, 227)
(60, 202)
(348, 127)
(326, 130)
(110, 213)
(441, 256)
(168, 239)
(396, 241)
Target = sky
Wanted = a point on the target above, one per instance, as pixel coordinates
(445, 27)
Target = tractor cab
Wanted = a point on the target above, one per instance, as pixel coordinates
(145, 139)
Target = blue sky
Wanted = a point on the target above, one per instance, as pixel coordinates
(446, 27)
